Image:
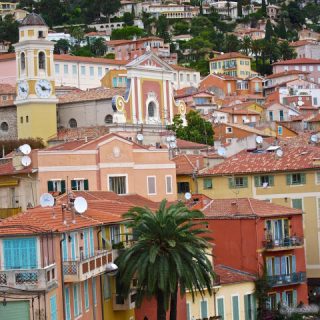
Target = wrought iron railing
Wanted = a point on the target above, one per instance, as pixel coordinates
(286, 279)
(286, 242)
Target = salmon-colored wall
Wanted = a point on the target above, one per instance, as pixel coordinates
(8, 71)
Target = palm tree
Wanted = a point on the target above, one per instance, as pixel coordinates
(169, 254)
(246, 44)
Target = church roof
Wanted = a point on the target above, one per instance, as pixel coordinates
(33, 19)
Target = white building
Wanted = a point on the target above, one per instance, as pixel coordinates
(172, 11)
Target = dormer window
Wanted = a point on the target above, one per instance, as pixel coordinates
(40, 34)
(42, 60)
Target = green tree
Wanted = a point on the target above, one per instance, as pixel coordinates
(239, 8)
(9, 29)
(98, 47)
(147, 20)
(128, 19)
(198, 24)
(246, 45)
(269, 30)
(169, 252)
(286, 51)
(162, 28)
(181, 27)
(78, 34)
(281, 30)
(107, 7)
(127, 33)
(231, 43)
(62, 46)
(264, 8)
(197, 129)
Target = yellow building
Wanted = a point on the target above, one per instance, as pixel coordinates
(289, 177)
(233, 64)
(36, 100)
(115, 79)
(233, 297)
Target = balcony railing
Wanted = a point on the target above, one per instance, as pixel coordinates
(283, 244)
(84, 268)
(124, 303)
(31, 280)
(286, 279)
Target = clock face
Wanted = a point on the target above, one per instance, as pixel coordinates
(23, 89)
(43, 88)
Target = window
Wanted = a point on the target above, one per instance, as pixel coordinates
(235, 308)
(65, 69)
(108, 118)
(115, 234)
(304, 68)
(67, 303)
(169, 185)
(79, 184)
(315, 100)
(151, 182)
(57, 68)
(220, 307)
(27, 119)
(118, 184)
(151, 109)
(64, 249)
(281, 115)
(181, 76)
(76, 300)
(238, 182)
(74, 69)
(94, 291)
(194, 78)
(296, 178)
(4, 126)
(318, 177)
(289, 298)
(23, 61)
(114, 82)
(83, 70)
(277, 229)
(271, 115)
(273, 301)
(204, 308)
(86, 294)
(280, 130)
(57, 186)
(183, 187)
(228, 130)
(249, 307)
(106, 287)
(42, 60)
(283, 265)
(188, 77)
(297, 203)
(99, 71)
(53, 308)
(310, 68)
(73, 123)
(91, 71)
(207, 183)
(263, 181)
(188, 311)
(40, 34)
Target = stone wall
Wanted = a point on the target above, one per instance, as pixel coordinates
(8, 114)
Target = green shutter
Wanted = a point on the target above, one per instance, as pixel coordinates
(50, 186)
(220, 303)
(271, 180)
(235, 308)
(231, 183)
(63, 186)
(247, 307)
(303, 178)
(294, 298)
(86, 184)
(297, 203)
(73, 185)
(245, 182)
(257, 181)
(289, 179)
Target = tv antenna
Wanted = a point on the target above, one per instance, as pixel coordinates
(46, 200)
(314, 138)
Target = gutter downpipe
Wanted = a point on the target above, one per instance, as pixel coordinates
(62, 277)
(101, 284)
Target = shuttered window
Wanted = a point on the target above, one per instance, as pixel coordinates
(188, 311)
(118, 184)
(297, 203)
(20, 253)
(91, 242)
(296, 178)
(65, 249)
(235, 308)
(207, 183)
(94, 291)
(220, 306)
(106, 287)
(169, 185)
(238, 182)
(249, 307)
(57, 186)
(151, 182)
(79, 184)
(53, 308)
(264, 181)
(86, 294)
(67, 303)
(76, 300)
(204, 308)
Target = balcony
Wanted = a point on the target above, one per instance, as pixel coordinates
(120, 303)
(286, 279)
(82, 269)
(288, 243)
(30, 280)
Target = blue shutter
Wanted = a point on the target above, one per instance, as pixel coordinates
(294, 298)
(220, 303)
(293, 261)
(73, 246)
(204, 308)
(86, 243)
(283, 265)
(94, 291)
(91, 242)
(75, 301)
(86, 295)
(188, 311)
(235, 308)
(269, 266)
(67, 303)
(247, 307)
(284, 298)
(65, 249)
(53, 308)
(277, 266)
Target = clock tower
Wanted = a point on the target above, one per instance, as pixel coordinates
(36, 100)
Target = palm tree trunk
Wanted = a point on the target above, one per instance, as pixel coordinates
(161, 311)
(173, 305)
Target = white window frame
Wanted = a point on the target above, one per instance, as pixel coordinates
(229, 130)
(119, 175)
(235, 295)
(317, 178)
(57, 183)
(155, 185)
(171, 186)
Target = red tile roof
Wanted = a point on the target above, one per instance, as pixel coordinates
(8, 169)
(300, 43)
(185, 144)
(297, 61)
(286, 73)
(187, 163)
(236, 208)
(7, 56)
(230, 55)
(181, 68)
(230, 275)
(6, 88)
(294, 158)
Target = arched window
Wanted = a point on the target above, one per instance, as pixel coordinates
(4, 126)
(151, 109)
(23, 61)
(108, 118)
(42, 60)
(73, 123)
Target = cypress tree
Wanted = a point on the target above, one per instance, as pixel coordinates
(282, 32)
(264, 7)
(269, 30)
(239, 8)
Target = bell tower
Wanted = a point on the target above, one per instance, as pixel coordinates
(36, 100)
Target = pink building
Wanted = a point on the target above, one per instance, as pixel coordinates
(8, 68)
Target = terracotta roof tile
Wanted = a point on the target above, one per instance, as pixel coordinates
(185, 144)
(230, 55)
(294, 158)
(187, 163)
(286, 73)
(6, 88)
(297, 61)
(230, 275)
(181, 68)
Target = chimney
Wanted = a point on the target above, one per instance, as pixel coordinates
(234, 207)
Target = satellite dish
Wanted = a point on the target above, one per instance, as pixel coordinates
(172, 144)
(172, 138)
(46, 200)
(140, 137)
(111, 269)
(221, 151)
(168, 138)
(314, 138)
(300, 103)
(265, 185)
(279, 153)
(80, 204)
(299, 98)
(187, 196)
(25, 149)
(259, 139)
(26, 161)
